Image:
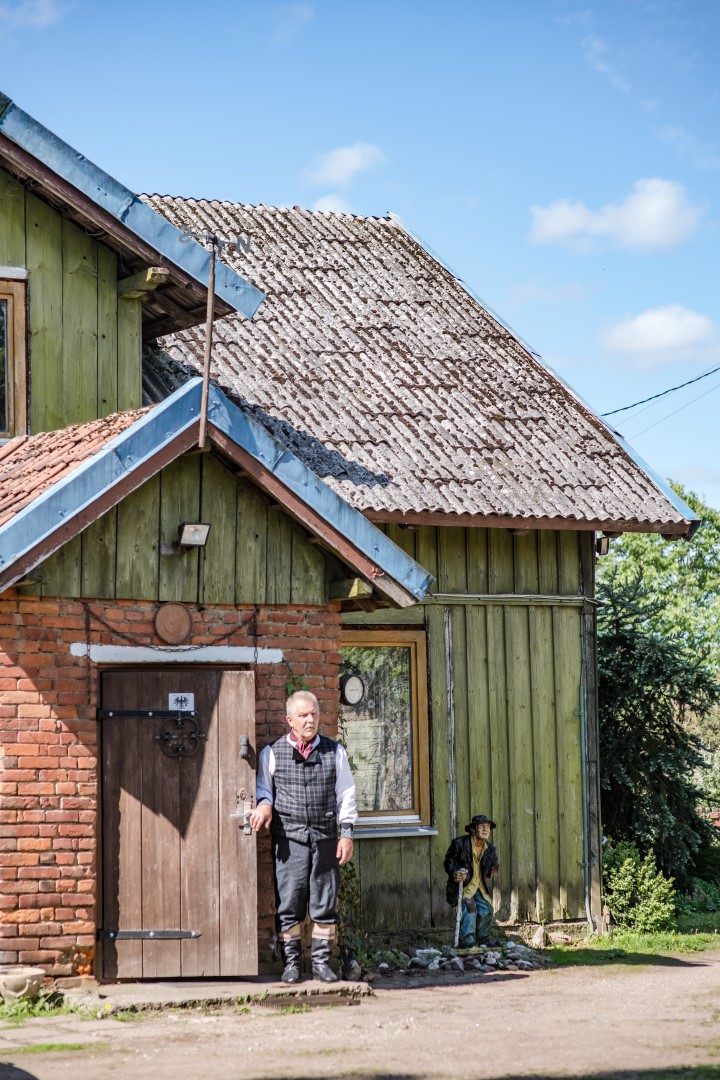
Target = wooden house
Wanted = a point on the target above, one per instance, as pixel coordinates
(371, 426)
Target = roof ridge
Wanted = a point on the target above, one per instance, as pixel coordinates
(388, 216)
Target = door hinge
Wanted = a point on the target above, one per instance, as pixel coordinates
(147, 935)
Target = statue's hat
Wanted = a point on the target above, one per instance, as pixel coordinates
(479, 819)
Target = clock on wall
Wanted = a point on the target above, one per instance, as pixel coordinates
(352, 689)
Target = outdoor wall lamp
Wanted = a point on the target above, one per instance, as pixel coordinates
(192, 534)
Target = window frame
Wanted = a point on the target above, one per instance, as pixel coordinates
(14, 291)
(416, 640)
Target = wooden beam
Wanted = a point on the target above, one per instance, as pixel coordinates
(349, 589)
(145, 281)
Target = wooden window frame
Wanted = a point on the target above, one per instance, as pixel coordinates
(14, 292)
(416, 641)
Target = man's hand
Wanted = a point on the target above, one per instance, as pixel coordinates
(460, 875)
(344, 850)
(494, 870)
(260, 817)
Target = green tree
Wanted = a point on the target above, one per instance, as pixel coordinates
(650, 681)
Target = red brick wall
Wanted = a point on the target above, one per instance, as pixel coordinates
(48, 781)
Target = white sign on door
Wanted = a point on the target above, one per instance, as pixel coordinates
(182, 702)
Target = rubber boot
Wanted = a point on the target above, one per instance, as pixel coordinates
(292, 952)
(321, 960)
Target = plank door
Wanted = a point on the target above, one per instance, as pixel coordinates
(174, 859)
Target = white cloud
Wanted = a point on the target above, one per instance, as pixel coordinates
(660, 335)
(596, 54)
(701, 154)
(339, 167)
(332, 202)
(656, 214)
(31, 14)
(289, 19)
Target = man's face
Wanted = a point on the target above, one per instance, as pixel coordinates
(482, 831)
(304, 722)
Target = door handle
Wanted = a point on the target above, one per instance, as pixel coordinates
(244, 814)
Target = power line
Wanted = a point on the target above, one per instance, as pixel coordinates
(680, 409)
(663, 393)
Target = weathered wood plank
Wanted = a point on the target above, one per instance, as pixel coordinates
(279, 557)
(219, 507)
(80, 324)
(525, 561)
(61, 573)
(548, 562)
(497, 705)
(462, 733)
(479, 747)
(251, 560)
(404, 538)
(98, 556)
(45, 314)
(452, 561)
(388, 881)
(477, 560)
(129, 351)
(441, 779)
(568, 563)
(520, 750)
(371, 899)
(307, 585)
(500, 561)
(385, 617)
(545, 764)
(415, 856)
(426, 550)
(138, 527)
(179, 501)
(12, 221)
(567, 650)
(107, 321)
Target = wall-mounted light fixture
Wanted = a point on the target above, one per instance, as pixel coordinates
(192, 534)
(602, 545)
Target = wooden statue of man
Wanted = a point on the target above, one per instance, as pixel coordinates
(473, 860)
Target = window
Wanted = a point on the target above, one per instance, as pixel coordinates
(386, 734)
(12, 358)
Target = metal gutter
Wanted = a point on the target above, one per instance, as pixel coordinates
(113, 197)
(71, 497)
(675, 501)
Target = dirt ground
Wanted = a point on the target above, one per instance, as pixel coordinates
(612, 1020)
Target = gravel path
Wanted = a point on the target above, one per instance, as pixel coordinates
(626, 1021)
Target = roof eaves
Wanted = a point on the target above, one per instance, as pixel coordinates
(113, 197)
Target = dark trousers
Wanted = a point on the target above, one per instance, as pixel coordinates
(306, 878)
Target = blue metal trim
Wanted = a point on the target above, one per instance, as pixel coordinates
(679, 504)
(143, 439)
(122, 455)
(116, 199)
(304, 483)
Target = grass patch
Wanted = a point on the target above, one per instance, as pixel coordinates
(47, 1003)
(633, 947)
(56, 1048)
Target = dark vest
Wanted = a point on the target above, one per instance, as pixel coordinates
(304, 799)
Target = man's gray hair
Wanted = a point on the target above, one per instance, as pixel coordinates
(301, 697)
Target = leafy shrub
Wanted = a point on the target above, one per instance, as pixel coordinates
(637, 894)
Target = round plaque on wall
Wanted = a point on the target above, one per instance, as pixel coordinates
(173, 623)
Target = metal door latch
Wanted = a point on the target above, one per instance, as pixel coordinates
(244, 814)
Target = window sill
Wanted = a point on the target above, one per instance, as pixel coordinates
(387, 832)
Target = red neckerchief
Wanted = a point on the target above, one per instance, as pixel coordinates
(303, 748)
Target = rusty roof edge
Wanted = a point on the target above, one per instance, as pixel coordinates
(124, 453)
(675, 501)
(318, 495)
(113, 197)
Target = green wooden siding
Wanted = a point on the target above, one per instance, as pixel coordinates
(254, 554)
(84, 346)
(515, 669)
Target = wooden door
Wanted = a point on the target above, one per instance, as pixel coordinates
(174, 859)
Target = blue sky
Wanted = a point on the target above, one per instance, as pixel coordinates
(562, 158)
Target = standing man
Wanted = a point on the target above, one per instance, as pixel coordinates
(304, 788)
(473, 859)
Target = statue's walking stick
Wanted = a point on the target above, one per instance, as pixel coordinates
(458, 915)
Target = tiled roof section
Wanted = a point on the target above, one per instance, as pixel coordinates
(30, 464)
(380, 370)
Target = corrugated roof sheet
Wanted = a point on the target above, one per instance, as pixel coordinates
(383, 373)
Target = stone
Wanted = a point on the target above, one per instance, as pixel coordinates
(383, 968)
(20, 981)
(448, 951)
(559, 937)
(540, 939)
(434, 965)
(491, 960)
(457, 964)
(353, 971)
(525, 965)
